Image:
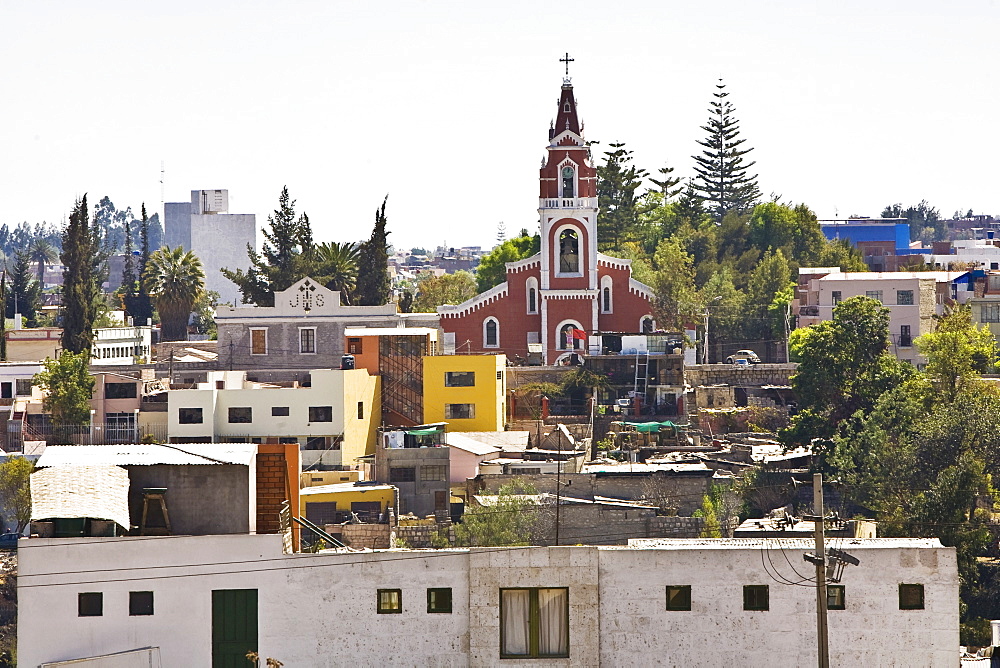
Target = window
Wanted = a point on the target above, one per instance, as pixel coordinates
(459, 378)
(459, 411)
(567, 182)
(321, 413)
(987, 313)
(755, 597)
(361, 410)
(279, 411)
(904, 297)
(532, 300)
(911, 597)
(120, 391)
(905, 340)
(836, 297)
(679, 597)
(568, 336)
(569, 252)
(646, 325)
(22, 387)
(606, 300)
(874, 294)
(258, 341)
(435, 473)
(323, 443)
(307, 341)
(835, 597)
(525, 471)
(390, 601)
(402, 474)
(288, 439)
(90, 604)
(242, 415)
(140, 603)
(491, 333)
(439, 600)
(189, 416)
(534, 623)
(354, 346)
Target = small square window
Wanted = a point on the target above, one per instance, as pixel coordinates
(439, 600)
(241, 415)
(836, 297)
(140, 603)
(321, 413)
(279, 411)
(22, 387)
(90, 604)
(835, 597)
(678, 597)
(756, 597)
(354, 346)
(911, 597)
(189, 416)
(390, 601)
(904, 297)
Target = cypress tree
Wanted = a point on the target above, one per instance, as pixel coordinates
(79, 287)
(721, 171)
(374, 287)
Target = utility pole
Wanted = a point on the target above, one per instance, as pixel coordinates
(820, 561)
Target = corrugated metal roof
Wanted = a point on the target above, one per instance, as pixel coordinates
(147, 454)
(98, 492)
(472, 445)
(341, 487)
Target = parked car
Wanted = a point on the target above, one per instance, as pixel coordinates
(743, 357)
(8, 541)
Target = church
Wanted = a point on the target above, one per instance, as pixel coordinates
(568, 291)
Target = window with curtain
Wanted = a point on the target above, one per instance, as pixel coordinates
(534, 622)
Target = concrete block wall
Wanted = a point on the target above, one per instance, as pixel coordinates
(374, 536)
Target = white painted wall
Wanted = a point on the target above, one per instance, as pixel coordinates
(319, 610)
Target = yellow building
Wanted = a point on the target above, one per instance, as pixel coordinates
(469, 392)
(333, 504)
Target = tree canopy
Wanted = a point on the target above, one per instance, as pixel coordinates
(434, 291)
(492, 268)
(82, 255)
(176, 280)
(67, 388)
(374, 286)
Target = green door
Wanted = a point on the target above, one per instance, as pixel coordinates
(234, 627)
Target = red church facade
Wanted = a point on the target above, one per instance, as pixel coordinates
(567, 288)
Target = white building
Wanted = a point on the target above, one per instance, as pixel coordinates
(913, 299)
(219, 238)
(336, 416)
(122, 345)
(691, 602)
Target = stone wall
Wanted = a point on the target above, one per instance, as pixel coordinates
(754, 375)
(374, 536)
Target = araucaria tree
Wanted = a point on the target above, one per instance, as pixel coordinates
(24, 293)
(722, 177)
(617, 182)
(80, 252)
(175, 280)
(287, 244)
(134, 294)
(374, 287)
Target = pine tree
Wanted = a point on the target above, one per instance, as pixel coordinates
(374, 287)
(79, 282)
(617, 181)
(24, 293)
(284, 258)
(721, 171)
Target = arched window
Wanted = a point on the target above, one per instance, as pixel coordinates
(565, 335)
(646, 324)
(491, 333)
(567, 182)
(531, 293)
(569, 252)
(606, 294)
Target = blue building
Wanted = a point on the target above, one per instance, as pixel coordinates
(866, 231)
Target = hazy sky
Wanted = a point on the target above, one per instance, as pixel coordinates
(445, 106)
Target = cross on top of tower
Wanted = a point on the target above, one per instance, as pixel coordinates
(567, 60)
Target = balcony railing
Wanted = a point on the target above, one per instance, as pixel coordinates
(103, 433)
(567, 203)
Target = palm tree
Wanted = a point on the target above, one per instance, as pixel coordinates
(43, 252)
(175, 280)
(337, 266)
